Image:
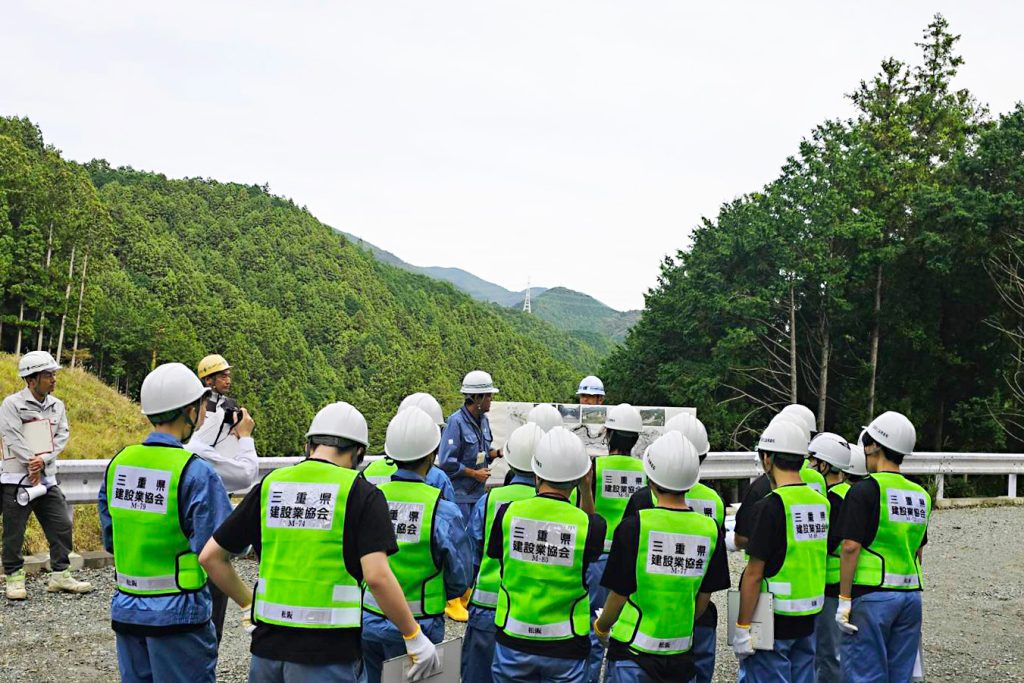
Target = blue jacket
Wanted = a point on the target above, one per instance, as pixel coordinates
(452, 550)
(478, 518)
(205, 504)
(439, 480)
(462, 441)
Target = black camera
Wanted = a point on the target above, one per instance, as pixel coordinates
(232, 413)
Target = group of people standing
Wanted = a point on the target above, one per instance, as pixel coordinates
(577, 567)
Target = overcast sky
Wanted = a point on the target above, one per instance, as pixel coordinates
(571, 143)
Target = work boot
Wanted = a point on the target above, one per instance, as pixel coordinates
(65, 582)
(16, 586)
(456, 611)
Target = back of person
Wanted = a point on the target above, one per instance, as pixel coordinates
(799, 585)
(616, 479)
(485, 592)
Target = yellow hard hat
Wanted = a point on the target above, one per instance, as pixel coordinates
(211, 365)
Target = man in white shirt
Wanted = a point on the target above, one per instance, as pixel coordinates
(225, 442)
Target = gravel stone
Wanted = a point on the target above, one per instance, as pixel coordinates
(973, 607)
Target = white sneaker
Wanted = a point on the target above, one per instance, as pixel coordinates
(65, 582)
(16, 586)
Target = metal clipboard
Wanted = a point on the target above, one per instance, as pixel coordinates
(762, 626)
(450, 653)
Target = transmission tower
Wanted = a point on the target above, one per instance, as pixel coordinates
(526, 302)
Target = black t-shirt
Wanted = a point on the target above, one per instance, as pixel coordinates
(576, 647)
(367, 530)
(835, 536)
(859, 521)
(746, 516)
(641, 500)
(768, 543)
(620, 576)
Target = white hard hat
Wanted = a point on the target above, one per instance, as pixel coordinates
(411, 435)
(783, 436)
(545, 416)
(478, 382)
(340, 420)
(426, 403)
(693, 429)
(894, 431)
(830, 448)
(590, 386)
(672, 463)
(858, 462)
(560, 457)
(795, 420)
(805, 414)
(36, 361)
(169, 387)
(521, 446)
(624, 418)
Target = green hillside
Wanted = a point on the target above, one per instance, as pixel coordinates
(579, 312)
(179, 268)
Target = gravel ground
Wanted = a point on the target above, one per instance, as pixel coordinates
(974, 610)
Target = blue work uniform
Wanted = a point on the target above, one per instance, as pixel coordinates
(478, 642)
(149, 629)
(452, 549)
(439, 480)
(465, 442)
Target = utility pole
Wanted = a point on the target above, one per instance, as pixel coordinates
(526, 302)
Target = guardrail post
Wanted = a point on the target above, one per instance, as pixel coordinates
(940, 486)
(1011, 489)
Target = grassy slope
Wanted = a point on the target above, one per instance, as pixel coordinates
(102, 423)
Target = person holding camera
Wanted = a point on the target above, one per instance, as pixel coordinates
(224, 441)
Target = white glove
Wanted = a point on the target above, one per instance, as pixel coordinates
(843, 616)
(741, 643)
(730, 541)
(247, 624)
(423, 655)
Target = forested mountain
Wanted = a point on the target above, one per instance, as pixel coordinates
(576, 311)
(118, 269)
(883, 269)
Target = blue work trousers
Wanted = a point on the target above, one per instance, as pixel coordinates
(513, 666)
(704, 641)
(478, 646)
(379, 647)
(826, 654)
(275, 671)
(888, 636)
(179, 658)
(792, 661)
(598, 595)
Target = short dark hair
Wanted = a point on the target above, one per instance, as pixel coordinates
(890, 454)
(561, 485)
(521, 473)
(621, 442)
(338, 442)
(172, 415)
(788, 462)
(407, 464)
(660, 489)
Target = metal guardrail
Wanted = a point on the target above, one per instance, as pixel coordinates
(80, 479)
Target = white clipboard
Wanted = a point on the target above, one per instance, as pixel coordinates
(762, 625)
(38, 436)
(918, 675)
(450, 653)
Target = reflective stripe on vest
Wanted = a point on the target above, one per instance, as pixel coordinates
(152, 554)
(543, 594)
(413, 506)
(673, 555)
(799, 585)
(833, 560)
(617, 478)
(303, 581)
(485, 593)
(370, 603)
(890, 561)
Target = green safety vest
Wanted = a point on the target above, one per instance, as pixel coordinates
(673, 555)
(799, 585)
(379, 471)
(485, 592)
(832, 564)
(413, 505)
(890, 561)
(617, 478)
(702, 499)
(813, 478)
(303, 582)
(152, 555)
(543, 592)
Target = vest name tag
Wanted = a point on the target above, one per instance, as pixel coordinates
(704, 507)
(907, 506)
(550, 543)
(407, 519)
(301, 505)
(140, 489)
(620, 483)
(677, 554)
(810, 522)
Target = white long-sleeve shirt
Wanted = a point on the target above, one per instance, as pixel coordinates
(22, 407)
(232, 458)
